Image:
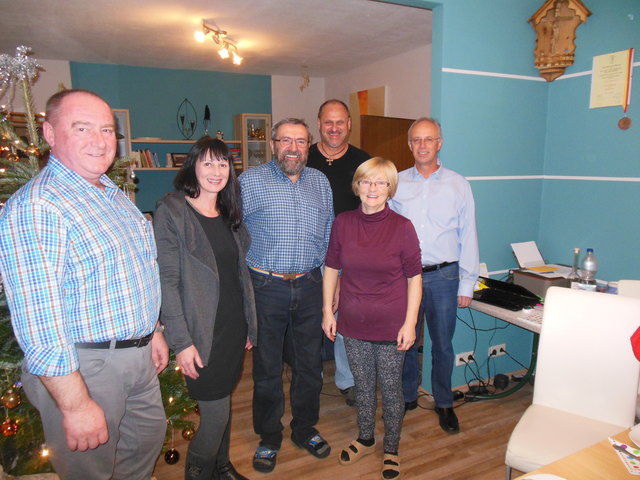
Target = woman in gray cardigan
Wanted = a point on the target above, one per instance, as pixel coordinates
(208, 306)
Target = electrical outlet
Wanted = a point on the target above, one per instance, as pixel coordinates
(500, 349)
(463, 358)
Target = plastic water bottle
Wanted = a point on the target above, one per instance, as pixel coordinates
(588, 268)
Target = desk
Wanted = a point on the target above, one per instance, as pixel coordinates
(597, 462)
(520, 319)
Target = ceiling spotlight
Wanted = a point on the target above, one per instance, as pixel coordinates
(226, 47)
(199, 36)
(223, 52)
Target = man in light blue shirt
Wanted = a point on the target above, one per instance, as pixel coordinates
(440, 204)
(288, 210)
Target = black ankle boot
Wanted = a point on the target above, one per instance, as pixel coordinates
(228, 472)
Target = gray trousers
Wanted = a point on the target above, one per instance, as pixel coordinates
(370, 362)
(125, 384)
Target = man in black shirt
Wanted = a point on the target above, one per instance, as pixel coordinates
(338, 160)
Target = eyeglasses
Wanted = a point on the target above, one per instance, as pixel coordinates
(377, 183)
(427, 140)
(287, 142)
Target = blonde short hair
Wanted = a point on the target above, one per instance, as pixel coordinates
(377, 166)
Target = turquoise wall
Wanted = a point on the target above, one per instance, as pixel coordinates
(601, 213)
(508, 131)
(153, 96)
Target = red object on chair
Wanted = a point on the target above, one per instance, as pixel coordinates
(635, 343)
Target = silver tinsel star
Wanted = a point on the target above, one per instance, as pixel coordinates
(20, 67)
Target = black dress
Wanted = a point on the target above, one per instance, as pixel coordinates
(222, 372)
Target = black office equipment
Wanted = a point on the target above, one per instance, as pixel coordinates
(505, 295)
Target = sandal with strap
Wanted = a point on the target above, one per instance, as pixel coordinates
(264, 460)
(354, 452)
(390, 466)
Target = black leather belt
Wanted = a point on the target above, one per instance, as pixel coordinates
(431, 268)
(130, 343)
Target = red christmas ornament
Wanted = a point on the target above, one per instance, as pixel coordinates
(9, 427)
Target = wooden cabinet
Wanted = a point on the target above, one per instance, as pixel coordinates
(253, 130)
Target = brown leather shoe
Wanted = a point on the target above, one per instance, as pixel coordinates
(448, 420)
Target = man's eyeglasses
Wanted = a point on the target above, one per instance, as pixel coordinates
(377, 183)
(428, 140)
(287, 142)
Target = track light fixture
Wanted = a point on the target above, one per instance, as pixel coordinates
(226, 47)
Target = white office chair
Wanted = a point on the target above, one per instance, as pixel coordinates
(631, 288)
(586, 379)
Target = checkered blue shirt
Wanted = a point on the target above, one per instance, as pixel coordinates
(78, 265)
(290, 223)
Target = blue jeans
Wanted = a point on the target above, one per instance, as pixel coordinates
(439, 307)
(343, 377)
(289, 329)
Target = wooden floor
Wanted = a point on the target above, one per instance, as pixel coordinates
(426, 452)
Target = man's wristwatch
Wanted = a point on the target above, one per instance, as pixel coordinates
(159, 328)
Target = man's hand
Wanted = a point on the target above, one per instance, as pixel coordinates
(464, 302)
(86, 427)
(82, 418)
(159, 351)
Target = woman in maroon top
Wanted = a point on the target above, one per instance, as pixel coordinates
(378, 252)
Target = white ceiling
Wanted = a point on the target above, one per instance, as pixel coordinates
(275, 37)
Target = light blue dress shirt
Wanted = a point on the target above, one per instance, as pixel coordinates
(442, 210)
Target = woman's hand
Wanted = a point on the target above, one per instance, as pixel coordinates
(406, 337)
(329, 326)
(248, 345)
(188, 359)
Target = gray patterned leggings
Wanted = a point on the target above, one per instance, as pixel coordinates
(370, 361)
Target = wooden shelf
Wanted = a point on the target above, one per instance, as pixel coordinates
(150, 169)
(142, 140)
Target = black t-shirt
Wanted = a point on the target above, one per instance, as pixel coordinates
(340, 174)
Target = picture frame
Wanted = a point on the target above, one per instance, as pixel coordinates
(123, 129)
(177, 159)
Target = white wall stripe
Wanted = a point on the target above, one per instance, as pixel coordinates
(517, 77)
(558, 177)
(491, 74)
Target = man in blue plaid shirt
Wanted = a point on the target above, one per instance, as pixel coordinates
(288, 209)
(78, 261)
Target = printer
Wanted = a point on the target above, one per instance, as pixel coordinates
(534, 273)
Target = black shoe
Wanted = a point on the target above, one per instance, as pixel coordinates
(448, 420)
(228, 472)
(410, 405)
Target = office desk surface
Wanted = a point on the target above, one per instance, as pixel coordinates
(597, 462)
(524, 320)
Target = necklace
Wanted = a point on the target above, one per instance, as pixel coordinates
(330, 157)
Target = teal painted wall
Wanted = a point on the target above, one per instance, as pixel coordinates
(505, 127)
(153, 96)
(587, 142)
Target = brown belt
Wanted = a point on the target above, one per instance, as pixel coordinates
(283, 276)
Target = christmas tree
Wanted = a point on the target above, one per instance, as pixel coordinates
(22, 446)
